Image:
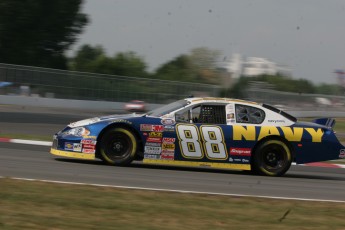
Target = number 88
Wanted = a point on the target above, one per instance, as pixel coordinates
(193, 144)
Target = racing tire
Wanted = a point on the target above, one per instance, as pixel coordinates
(118, 146)
(271, 158)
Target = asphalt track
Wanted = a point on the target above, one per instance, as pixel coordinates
(35, 162)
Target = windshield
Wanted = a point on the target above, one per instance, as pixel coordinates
(167, 108)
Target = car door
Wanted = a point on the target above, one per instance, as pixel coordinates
(200, 134)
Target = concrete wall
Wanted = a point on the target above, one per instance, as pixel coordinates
(64, 103)
(111, 106)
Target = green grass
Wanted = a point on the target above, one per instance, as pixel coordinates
(340, 125)
(38, 205)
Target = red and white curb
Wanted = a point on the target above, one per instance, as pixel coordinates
(49, 143)
(27, 142)
(322, 164)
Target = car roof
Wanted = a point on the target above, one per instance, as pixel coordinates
(195, 100)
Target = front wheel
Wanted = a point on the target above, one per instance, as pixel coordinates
(272, 158)
(118, 146)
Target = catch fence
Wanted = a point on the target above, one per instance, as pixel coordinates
(53, 83)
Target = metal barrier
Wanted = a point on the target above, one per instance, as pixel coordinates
(53, 83)
(61, 84)
(297, 101)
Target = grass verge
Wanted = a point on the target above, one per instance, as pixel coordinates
(39, 205)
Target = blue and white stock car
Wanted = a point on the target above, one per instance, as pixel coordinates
(211, 132)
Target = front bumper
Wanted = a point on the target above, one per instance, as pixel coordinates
(74, 147)
(78, 155)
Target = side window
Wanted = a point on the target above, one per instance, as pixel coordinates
(212, 114)
(183, 116)
(248, 114)
(204, 114)
(189, 115)
(196, 114)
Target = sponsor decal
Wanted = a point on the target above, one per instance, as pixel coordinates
(151, 156)
(157, 128)
(238, 160)
(240, 152)
(342, 153)
(167, 155)
(121, 121)
(90, 137)
(230, 108)
(88, 146)
(168, 152)
(167, 121)
(155, 134)
(249, 133)
(156, 144)
(68, 146)
(230, 116)
(151, 128)
(154, 139)
(276, 121)
(145, 128)
(169, 139)
(169, 128)
(153, 150)
(88, 141)
(89, 150)
(77, 147)
(168, 146)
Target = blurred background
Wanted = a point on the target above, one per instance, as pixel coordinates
(132, 52)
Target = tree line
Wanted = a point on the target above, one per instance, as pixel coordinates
(40, 32)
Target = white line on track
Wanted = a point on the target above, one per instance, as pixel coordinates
(172, 190)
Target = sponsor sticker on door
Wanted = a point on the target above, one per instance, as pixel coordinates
(246, 152)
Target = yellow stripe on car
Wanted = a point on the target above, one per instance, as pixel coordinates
(196, 164)
(88, 156)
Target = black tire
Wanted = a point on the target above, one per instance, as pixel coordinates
(271, 158)
(118, 146)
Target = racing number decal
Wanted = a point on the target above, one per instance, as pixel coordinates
(189, 140)
(211, 142)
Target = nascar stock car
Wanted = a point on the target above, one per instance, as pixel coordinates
(209, 132)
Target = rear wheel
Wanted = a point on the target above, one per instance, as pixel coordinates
(118, 146)
(272, 158)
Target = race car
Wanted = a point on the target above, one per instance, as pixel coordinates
(135, 106)
(208, 132)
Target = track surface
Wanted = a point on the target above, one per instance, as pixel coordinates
(35, 162)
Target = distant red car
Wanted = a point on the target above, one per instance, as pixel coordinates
(135, 106)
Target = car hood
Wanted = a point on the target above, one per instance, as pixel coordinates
(94, 120)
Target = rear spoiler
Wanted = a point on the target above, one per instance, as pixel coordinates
(329, 122)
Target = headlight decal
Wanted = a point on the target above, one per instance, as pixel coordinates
(78, 132)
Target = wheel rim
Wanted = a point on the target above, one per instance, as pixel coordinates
(274, 158)
(118, 146)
